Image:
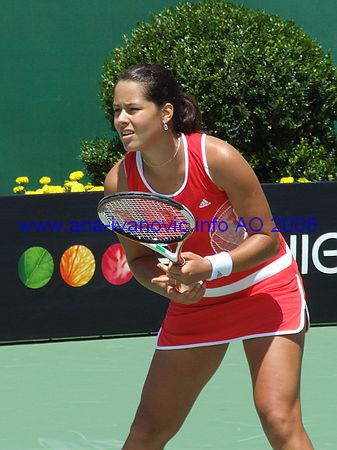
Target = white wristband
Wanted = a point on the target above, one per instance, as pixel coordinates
(222, 265)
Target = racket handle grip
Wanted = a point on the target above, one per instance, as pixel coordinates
(182, 288)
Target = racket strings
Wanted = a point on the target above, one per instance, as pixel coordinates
(147, 219)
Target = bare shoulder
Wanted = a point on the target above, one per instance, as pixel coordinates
(115, 180)
(221, 151)
(227, 166)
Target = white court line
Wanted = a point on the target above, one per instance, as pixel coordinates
(257, 436)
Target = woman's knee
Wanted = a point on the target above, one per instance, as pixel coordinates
(280, 418)
(147, 428)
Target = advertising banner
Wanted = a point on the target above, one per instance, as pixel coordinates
(64, 276)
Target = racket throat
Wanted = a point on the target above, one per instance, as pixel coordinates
(173, 255)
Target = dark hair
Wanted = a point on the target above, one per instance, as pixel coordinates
(161, 87)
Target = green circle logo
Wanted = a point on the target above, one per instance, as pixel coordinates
(36, 267)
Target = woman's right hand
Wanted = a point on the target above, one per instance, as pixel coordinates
(178, 293)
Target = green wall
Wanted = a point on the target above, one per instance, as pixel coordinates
(51, 58)
(52, 53)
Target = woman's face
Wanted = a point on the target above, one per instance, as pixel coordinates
(138, 121)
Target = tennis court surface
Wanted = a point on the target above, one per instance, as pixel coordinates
(82, 395)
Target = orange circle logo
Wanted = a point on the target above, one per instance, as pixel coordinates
(77, 265)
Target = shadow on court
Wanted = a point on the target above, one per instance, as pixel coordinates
(82, 395)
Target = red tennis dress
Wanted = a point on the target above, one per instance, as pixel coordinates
(265, 300)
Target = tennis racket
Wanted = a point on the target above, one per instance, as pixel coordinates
(153, 220)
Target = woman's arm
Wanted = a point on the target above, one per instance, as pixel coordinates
(232, 174)
(143, 262)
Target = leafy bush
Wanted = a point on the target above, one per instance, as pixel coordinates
(261, 82)
(308, 159)
(311, 160)
(99, 155)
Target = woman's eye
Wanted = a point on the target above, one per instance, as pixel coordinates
(128, 111)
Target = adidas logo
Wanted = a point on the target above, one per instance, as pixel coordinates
(204, 203)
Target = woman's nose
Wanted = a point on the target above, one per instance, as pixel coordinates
(122, 117)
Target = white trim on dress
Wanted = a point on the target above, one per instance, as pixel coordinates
(304, 321)
(140, 168)
(204, 157)
(267, 271)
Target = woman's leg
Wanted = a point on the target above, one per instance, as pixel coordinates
(174, 381)
(275, 366)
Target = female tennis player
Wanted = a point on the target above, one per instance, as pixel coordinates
(243, 281)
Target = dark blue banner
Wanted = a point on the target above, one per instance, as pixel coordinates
(63, 275)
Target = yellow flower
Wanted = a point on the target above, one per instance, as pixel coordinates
(18, 189)
(67, 185)
(331, 177)
(303, 180)
(96, 189)
(77, 187)
(22, 180)
(76, 176)
(53, 189)
(287, 180)
(56, 190)
(45, 180)
(71, 185)
(88, 187)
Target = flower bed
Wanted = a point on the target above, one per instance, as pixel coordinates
(71, 185)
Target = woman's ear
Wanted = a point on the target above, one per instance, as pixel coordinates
(167, 112)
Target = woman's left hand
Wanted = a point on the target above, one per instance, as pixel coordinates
(195, 269)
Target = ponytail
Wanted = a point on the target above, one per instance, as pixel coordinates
(187, 117)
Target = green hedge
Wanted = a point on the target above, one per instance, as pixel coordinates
(99, 155)
(262, 83)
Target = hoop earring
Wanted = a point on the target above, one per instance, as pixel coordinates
(165, 126)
